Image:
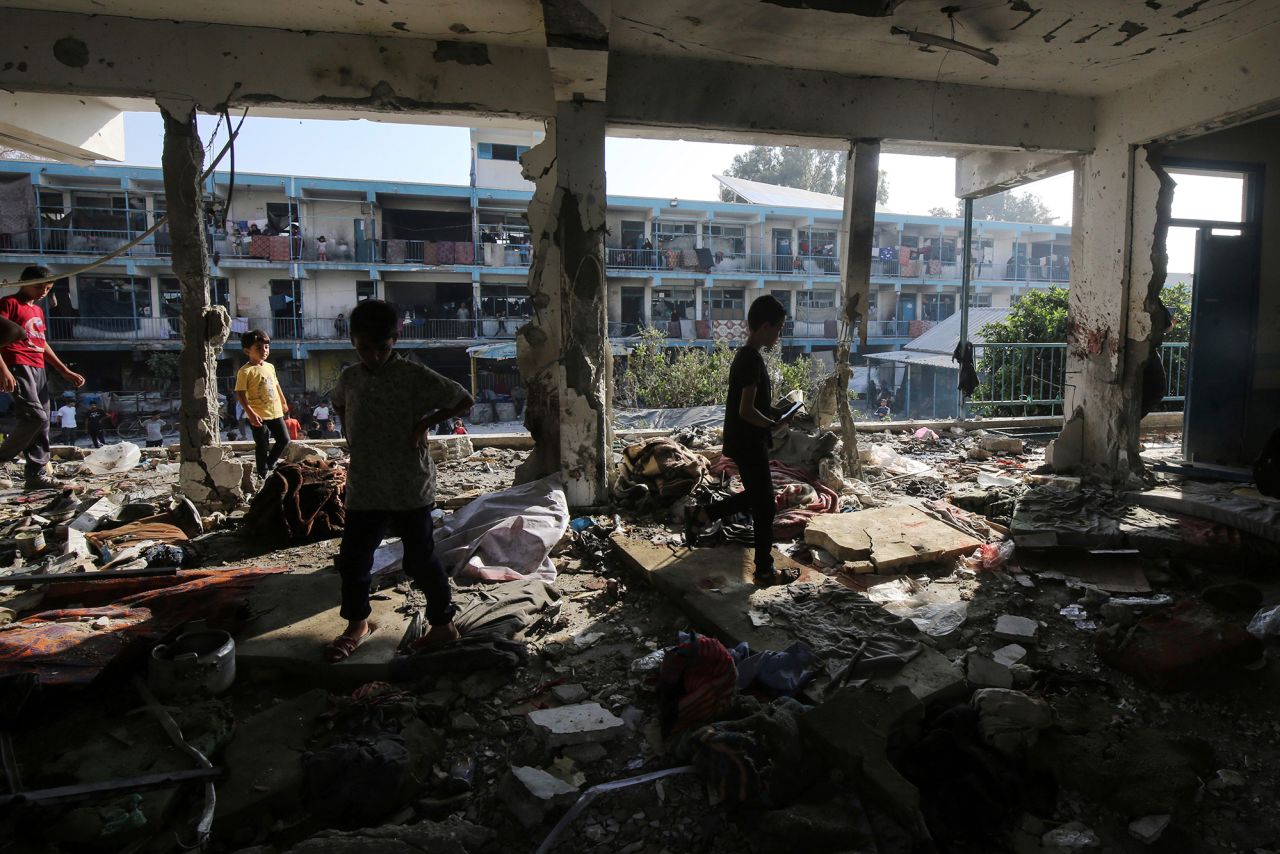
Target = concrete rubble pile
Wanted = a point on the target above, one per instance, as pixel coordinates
(944, 673)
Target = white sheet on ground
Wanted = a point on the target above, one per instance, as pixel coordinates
(506, 535)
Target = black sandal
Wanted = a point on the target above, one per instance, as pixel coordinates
(692, 528)
(774, 577)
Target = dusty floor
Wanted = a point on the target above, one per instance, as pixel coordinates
(1206, 755)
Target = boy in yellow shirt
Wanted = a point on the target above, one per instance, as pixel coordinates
(263, 402)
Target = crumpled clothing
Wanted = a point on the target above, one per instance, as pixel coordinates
(782, 674)
(696, 683)
(506, 610)
(968, 373)
(299, 502)
(136, 532)
(759, 760)
(798, 496)
(658, 471)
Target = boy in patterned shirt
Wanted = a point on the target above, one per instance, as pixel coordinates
(387, 405)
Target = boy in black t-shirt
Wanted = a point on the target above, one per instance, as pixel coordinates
(749, 422)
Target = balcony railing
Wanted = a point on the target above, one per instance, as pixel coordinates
(1029, 378)
(1019, 271)
(113, 328)
(82, 241)
(415, 329)
(719, 261)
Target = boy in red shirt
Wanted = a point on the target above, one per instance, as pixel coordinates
(22, 374)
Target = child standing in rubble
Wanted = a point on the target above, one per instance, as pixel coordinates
(263, 402)
(387, 405)
(749, 422)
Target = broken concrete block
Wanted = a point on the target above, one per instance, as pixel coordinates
(1067, 451)
(586, 754)
(576, 724)
(1009, 655)
(1018, 629)
(1150, 828)
(985, 672)
(296, 452)
(859, 567)
(531, 793)
(1010, 721)
(569, 694)
(1070, 838)
(1226, 779)
(888, 536)
(1001, 444)
(90, 518)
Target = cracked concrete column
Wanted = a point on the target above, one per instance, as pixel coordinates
(564, 353)
(1121, 217)
(208, 476)
(857, 233)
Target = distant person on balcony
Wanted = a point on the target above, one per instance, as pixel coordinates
(749, 423)
(154, 425)
(67, 419)
(22, 374)
(322, 249)
(254, 231)
(340, 326)
(489, 236)
(95, 419)
(264, 403)
(526, 248)
(237, 241)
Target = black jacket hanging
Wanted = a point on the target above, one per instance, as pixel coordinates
(968, 374)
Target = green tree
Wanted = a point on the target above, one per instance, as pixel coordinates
(663, 377)
(817, 170)
(1034, 373)
(1007, 207)
(942, 212)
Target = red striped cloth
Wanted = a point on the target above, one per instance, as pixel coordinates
(706, 676)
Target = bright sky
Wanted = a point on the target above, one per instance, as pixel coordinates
(635, 167)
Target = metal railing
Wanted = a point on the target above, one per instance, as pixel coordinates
(1030, 378)
(114, 328)
(719, 261)
(413, 329)
(1012, 271)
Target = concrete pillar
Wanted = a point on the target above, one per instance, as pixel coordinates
(207, 475)
(564, 353)
(858, 230)
(1121, 215)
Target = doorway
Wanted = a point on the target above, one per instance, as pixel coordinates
(782, 250)
(1213, 232)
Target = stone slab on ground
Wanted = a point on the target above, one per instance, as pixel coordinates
(890, 537)
(1225, 503)
(713, 587)
(1011, 627)
(530, 793)
(577, 724)
(298, 614)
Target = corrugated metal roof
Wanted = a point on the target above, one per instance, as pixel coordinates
(771, 195)
(909, 357)
(944, 336)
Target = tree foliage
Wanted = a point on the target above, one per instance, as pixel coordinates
(1008, 207)
(817, 170)
(659, 376)
(1040, 317)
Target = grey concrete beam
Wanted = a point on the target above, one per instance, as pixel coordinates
(212, 64)
(710, 96)
(985, 173)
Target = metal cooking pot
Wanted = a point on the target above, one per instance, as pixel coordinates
(200, 661)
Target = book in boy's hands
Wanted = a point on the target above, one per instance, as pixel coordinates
(791, 410)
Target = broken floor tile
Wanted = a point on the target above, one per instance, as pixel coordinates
(1010, 655)
(530, 793)
(1019, 629)
(568, 694)
(576, 724)
(985, 672)
(1148, 829)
